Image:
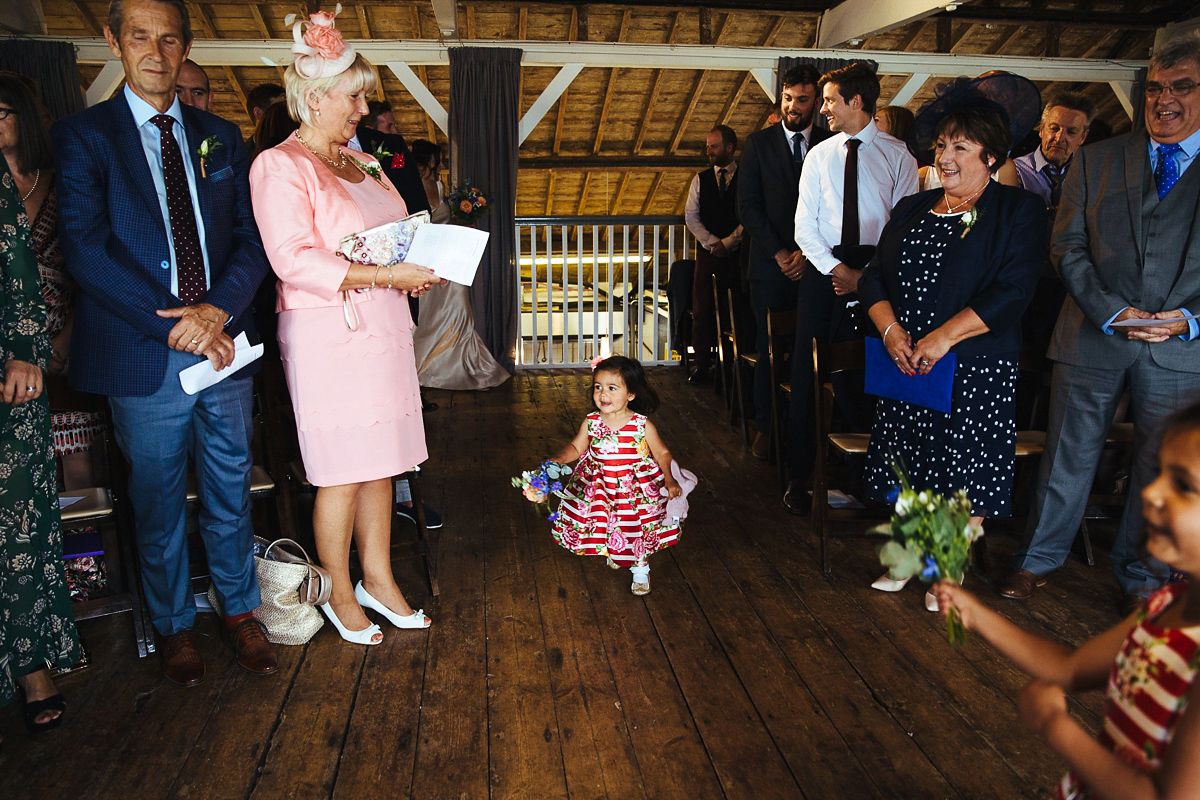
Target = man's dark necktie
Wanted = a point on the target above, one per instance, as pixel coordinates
(1167, 171)
(722, 183)
(850, 196)
(798, 150)
(189, 263)
(1055, 174)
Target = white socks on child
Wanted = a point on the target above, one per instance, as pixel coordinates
(641, 579)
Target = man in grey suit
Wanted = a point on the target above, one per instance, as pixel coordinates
(1127, 244)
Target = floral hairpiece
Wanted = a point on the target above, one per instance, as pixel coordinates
(596, 362)
(320, 51)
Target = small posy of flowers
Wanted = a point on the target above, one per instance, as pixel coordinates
(467, 202)
(205, 151)
(371, 168)
(539, 483)
(931, 537)
(969, 219)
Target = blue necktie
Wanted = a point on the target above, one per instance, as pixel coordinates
(1167, 172)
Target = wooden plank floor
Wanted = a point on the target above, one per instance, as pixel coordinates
(746, 673)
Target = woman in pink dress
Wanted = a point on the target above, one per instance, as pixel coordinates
(345, 333)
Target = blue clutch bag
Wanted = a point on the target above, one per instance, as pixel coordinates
(884, 379)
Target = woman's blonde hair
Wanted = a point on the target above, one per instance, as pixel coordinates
(359, 78)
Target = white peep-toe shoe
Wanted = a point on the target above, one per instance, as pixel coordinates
(885, 583)
(417, 619)
(365, 636)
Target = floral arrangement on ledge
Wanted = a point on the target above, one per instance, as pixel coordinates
(931, 537)
(467, 203)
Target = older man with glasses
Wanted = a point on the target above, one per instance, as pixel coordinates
(1123, 241)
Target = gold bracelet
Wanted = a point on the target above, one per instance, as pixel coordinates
(376, 275)
(389, 277)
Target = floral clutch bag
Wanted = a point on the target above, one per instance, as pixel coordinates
(383, 245)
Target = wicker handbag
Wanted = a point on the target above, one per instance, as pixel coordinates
(290, 585)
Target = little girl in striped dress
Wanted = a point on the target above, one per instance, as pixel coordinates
(615, 504)
(1149, 745)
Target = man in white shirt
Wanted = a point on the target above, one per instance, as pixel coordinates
(711, 216)
(837, 226)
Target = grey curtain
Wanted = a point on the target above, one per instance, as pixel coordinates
(822, 65)
(484, 109)
(52, 65)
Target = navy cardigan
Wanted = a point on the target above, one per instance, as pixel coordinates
(994, 269)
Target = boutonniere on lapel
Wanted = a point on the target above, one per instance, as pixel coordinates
(372, 169)
(381, 152)
(969, 219)
(205, 151)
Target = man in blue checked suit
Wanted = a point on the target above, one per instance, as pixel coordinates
(158, 232)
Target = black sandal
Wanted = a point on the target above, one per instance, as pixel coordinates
(31, 710)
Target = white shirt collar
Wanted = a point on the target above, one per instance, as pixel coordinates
(866, 135)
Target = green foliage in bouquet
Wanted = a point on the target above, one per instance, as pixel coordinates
(931, 537)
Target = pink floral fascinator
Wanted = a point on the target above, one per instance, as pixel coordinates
(320, 51)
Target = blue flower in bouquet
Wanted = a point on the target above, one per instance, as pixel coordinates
(892, 495)
(538, 484)
(930, 573)
(553, 516)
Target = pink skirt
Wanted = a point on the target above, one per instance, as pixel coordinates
(355, 394)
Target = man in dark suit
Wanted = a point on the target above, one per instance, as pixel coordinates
(1125, 244)
(157, 230)
(768, 186)
(397, 159)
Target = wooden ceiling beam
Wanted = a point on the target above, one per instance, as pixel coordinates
(621, 164)
(734, 99)
(1008, 15)
(261, 23)
(693, 100)
(612, 82)
(622, 185)
(89, 19)
(562, 101)
(655, 90)
(1015, 32)
(693, 103)
(587, 180)
(414, 20)
(550, 194)
(200, 14)
(364, 25)
(657, 182)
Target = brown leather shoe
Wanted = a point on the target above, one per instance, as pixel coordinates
(761, 448)
(254, 652)
(1021, 583)
(181, 661)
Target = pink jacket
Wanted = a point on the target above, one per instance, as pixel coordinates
(302, 213)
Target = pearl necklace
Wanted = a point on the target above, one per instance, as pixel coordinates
(341, 162)
(953, 209)
(37, 177)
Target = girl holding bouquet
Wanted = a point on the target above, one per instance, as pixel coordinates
(1149, 746)
(615, 504)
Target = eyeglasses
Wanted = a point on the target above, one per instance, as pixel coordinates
(4, 112)
(1177, 89)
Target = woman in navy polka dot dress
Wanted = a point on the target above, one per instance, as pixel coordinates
(954, 269)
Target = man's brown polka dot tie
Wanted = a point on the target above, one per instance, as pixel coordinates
(189, 263)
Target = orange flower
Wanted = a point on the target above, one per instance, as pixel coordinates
(481, 200)
(326, 41)
(466, 206)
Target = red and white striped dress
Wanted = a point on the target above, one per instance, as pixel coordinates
(615, 502)
(1148, 691)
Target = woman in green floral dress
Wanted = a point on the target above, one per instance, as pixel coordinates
(37, 627)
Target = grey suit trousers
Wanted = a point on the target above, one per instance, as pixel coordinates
(1083, 401)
